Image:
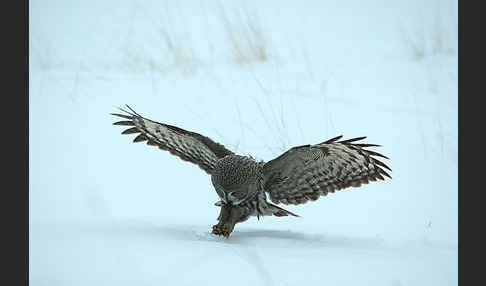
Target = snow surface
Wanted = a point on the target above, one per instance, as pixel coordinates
(104, 211)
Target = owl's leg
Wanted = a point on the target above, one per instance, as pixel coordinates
(228, 217)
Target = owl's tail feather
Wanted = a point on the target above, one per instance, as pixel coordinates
(278, 211)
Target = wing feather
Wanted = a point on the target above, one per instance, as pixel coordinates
(305, 173)
(187, 145)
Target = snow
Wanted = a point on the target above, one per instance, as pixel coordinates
(105, 211)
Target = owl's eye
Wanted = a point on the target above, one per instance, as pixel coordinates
(238, 194)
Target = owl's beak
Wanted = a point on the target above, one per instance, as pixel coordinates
(219, 203)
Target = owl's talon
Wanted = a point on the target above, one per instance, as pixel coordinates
(217, 230)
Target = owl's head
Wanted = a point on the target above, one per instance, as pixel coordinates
(235, 178)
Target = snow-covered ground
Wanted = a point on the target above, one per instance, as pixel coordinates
(258, 77)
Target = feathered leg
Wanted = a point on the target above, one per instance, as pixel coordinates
(228, 217)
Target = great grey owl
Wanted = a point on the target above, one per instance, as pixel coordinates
(301, 174)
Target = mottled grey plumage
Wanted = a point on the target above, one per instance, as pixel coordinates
(301, 174)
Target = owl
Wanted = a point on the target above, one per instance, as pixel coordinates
(299, 175)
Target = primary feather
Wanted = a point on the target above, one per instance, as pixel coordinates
(307, 172)
(187, 145)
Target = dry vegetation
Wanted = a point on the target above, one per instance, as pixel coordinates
(245, 35)
(171, 50)
(159, 41)
(438, 37)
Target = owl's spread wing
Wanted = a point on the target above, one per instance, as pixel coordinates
(187, 145)
(307, 172)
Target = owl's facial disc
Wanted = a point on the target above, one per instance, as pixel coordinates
(237, 197)
(234, 196)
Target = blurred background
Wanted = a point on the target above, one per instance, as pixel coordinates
(258, 77)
